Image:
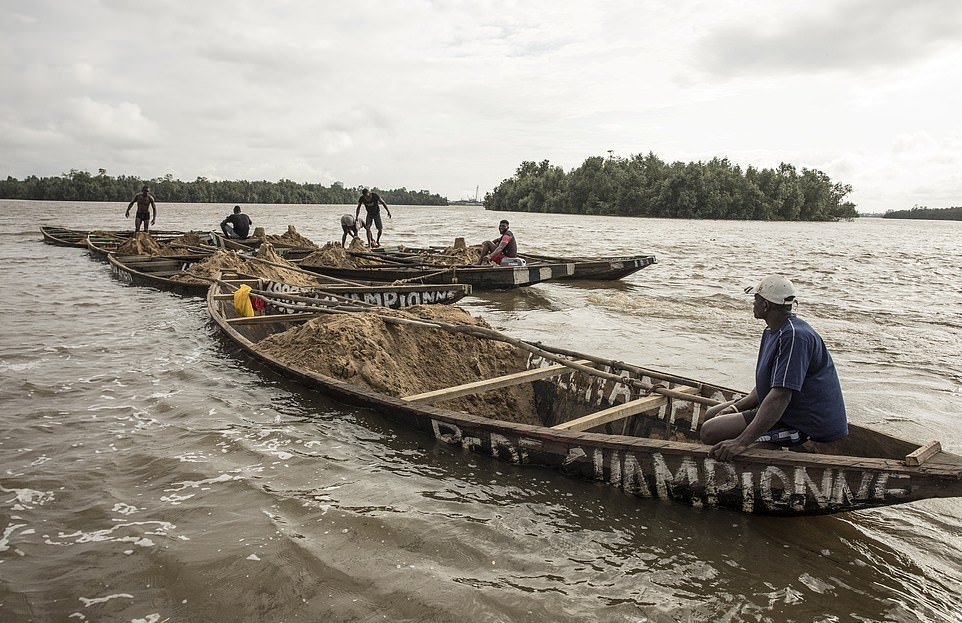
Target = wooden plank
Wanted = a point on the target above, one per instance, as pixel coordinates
(618, 412)
(477, 387)
(271, 318)
(923, 454)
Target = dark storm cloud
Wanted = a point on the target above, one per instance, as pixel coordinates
(852, 36)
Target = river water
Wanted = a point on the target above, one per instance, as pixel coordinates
(150, 473)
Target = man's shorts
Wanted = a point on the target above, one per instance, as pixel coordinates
(374, 218)
(779, 434)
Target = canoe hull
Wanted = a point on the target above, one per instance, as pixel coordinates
(478, 277)
(759, 481)
(602, 269)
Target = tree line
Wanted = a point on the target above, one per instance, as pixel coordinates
(941, 214)
(82, 186)
(645, 185)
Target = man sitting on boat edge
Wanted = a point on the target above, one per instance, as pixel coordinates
(236, 226)
(502, 251)
(797, 393)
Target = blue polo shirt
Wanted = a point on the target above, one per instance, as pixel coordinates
(794, 356)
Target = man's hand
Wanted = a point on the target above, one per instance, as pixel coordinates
(152, 221)
(388, 213)
(727, 450)
(127, 215)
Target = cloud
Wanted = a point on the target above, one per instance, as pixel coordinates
(848, 37)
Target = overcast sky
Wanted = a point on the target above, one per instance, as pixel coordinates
(449, 96)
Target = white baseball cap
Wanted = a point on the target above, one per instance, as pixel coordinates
(775, 289)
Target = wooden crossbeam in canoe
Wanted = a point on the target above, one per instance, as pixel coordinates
(507, 380)
(618, 412)
(271, 318)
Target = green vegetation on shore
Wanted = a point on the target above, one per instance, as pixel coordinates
(921, 212)
(82, 186)
(644, 185)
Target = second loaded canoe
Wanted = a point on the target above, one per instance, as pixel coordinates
(479, 277)
(163, 273)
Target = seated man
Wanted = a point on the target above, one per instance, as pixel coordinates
(502, 251)
(797, 394)
(237, 226)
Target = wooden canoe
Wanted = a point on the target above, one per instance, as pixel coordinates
(161, 272)
(100, 245)
(598, 268)
(587, 268)
(479, 277)
(249, 246)
(633, 428)
(64, 237)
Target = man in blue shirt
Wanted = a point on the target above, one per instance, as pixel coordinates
(797, 394)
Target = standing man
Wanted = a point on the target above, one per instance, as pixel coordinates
(500, 249)
(349, 226)
(144, 201)
(372, 204)
(797, 395)
(236, 226)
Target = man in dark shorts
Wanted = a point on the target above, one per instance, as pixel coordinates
(500, 250)
(237, 226)
(372, 203)
(349, 226)
(144, 201)
(797, 394)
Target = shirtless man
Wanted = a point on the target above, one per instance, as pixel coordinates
(372, 203)
(144, 201)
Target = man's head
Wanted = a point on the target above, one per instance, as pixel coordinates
(145, 189)
(503, 226)
(366, 192)
(773, 293)
(236, 209)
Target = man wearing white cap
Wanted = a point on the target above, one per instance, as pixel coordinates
(797, 395)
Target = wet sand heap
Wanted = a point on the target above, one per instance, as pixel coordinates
(143, 244)
(290, 238)
(333, 254)
(402, 360)
(223, 259)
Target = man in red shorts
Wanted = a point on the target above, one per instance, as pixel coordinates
(499, 249)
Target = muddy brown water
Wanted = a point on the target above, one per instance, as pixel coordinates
(152, 473)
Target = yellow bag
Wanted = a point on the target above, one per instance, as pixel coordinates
(242, 301)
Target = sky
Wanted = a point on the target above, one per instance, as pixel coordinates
(452, 96)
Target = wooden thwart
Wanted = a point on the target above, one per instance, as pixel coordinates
(618, 412)
(271, 318)
(923, 454)
(477, 387)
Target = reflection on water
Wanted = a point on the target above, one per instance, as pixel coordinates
(152, 472)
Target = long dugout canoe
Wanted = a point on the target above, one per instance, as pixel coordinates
(64, 237)
(479, 277)
(631, 427)
(162, 273)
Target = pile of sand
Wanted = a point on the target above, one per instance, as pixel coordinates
(290, 238)
(460, 253)
(191, 238)
(334, 255)
(143, 244)
(223, 259)
(401, 360)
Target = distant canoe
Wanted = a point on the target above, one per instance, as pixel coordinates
(598, 268)
(161, 272)
(63, 237)
(635, 429)
(249, 246)
(587, 268)
(479, 277)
